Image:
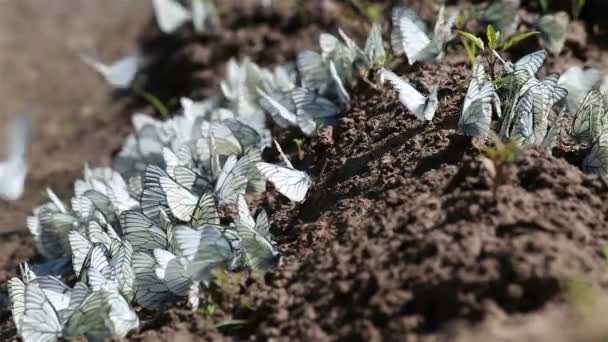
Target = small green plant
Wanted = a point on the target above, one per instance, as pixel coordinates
(208, 310)
(544, 5)
(497, 158)
(153, 100)
(577, 7)
(299, 143)
(495, 42)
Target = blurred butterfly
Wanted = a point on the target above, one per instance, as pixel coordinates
(204, 250)
(553, 28)
(119, 74)
(171, 15)
(292, 183)
(552, 136)
(422, 107)
(13, 170)
(374, 46)
(410, 37)
(256, 239)
(311, 108)
(502, 14)
(578, 82)
(476, 114)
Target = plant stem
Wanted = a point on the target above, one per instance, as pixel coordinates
(153, 100)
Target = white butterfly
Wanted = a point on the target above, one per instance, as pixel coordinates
(171, 15)
(410, 37)
(188, 207)
(204, 250)
(476, 114)
(141, 232)
(13, 170)
(554, 28)
(374, 46)
(150, 292)
(578, 82)
(590, 118)
(311, 108)
(526, 67)
(502, 14)
(119, 74)
(256, 239)
(422, 107)
(292, 183)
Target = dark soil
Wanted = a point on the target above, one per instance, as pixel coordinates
(405, 235)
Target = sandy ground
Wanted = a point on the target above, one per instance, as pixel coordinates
(41, 73)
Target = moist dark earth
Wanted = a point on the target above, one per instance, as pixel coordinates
(406, 234)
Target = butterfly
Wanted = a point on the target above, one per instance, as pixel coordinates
(596, 162)
(476, 114)
(205, 249)
(590, 118)
(13, 170)
(256, 239)
(312, 108)
(119, 74)
(171, 15)
(553, 28)
(578, 82)
(422, 107)
(292, 183)
(374, 46)
(526, 67)
(502, 14)
(409, 35)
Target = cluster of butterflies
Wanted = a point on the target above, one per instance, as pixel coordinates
(157, 225)
(535, 108)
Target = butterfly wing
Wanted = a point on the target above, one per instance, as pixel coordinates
(408, 36)
(408, 95)
(170, 15)
(293, 184)
(141, 232)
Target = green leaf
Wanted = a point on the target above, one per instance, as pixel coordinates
(471, 37)
(544, 5)
(579, 8)
(518, 38)
(471, 50)
(492, 37)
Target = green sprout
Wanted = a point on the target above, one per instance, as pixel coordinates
(544, 5)
(299, 143)
(497, 158)
(577, 7)
(152, 100)
(495, 42)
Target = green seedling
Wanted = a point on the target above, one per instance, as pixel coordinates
(497, 158)
(152, 100)
(577, 7)
(299, 143)
(495, 42)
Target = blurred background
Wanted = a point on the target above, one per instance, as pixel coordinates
(41, 73)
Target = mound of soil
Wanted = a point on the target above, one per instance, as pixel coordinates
(408, 233)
